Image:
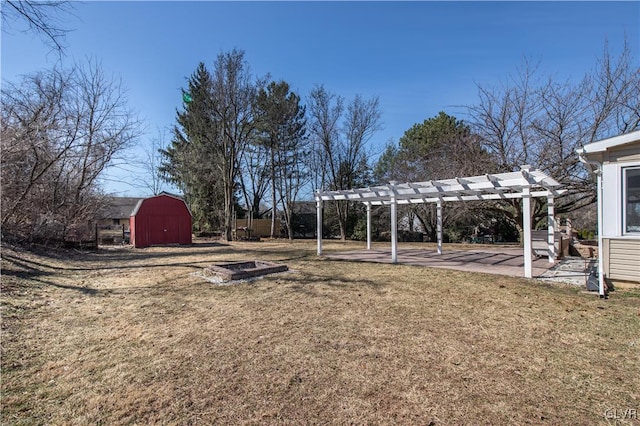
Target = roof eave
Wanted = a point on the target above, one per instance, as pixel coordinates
(605, 144)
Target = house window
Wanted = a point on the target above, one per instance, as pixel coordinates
(631, 199)
(116, 221)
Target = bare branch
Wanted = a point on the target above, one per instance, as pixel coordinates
(41, 17)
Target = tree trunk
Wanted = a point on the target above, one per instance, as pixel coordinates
(273, 195)
(342, 222)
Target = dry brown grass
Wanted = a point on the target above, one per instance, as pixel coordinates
(137, 337)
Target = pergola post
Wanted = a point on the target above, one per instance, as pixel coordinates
(319, 224)
(439, 225)
(526, 229)
(551, 222)
(368, 226)
(394, 230)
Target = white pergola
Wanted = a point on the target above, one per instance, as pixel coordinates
(522, 184)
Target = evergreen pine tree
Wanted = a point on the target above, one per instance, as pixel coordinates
(190, 162)
(282, 129)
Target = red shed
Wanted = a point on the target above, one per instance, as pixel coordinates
(163, 219)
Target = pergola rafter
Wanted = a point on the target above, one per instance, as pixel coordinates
(522, 184)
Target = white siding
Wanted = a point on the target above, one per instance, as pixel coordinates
(612, 198)
(611, 201)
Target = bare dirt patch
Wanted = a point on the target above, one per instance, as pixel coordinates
(126, 336)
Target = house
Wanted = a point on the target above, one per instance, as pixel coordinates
(616, 163)
(161, 220)
(117, 211)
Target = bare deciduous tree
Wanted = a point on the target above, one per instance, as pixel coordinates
(255, 177)
(60, 130)
(341, 150)
(542, 122)
(325, 111)
(233, 98)
(153, 179)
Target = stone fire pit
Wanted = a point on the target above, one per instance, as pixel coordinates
(242, 270)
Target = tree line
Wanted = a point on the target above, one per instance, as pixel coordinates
(61, 128)
(250, 145)
(258, 158)
(248, 141)
(527, 119)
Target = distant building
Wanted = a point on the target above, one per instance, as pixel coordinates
(117, 211)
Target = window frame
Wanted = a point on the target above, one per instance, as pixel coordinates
(625, 230)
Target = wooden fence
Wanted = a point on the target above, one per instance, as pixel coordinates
(246, 228)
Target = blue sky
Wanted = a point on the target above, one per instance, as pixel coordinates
(418, 58)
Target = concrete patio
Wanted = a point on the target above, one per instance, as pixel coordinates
(502, 261)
